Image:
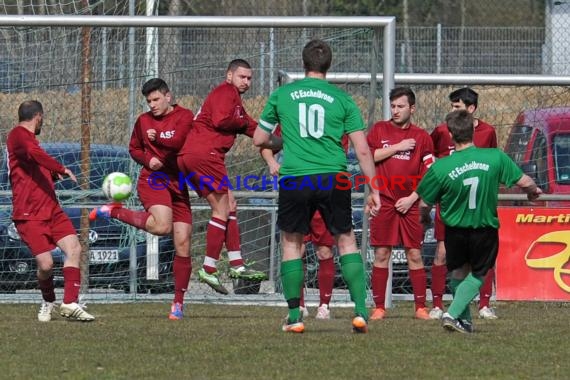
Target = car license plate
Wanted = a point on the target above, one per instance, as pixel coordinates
(399, 256)
(102, 256)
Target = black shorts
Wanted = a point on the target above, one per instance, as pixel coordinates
(475, 246)
(300, 197)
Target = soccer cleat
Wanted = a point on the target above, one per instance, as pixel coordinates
(422, 313)
(294, 326)
(378, 314)
(487, 313)
(103, 212)
(323, 312)
(359, 325)
(452, 324)
(176, 311)
(75, 312)
(212, 280)
(304, 312)
(468, 325)
(246, 273)
(44, 315)
(435, 313)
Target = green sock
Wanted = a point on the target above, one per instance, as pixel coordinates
(292, 277)
(352, 269)
(453, 284)
(464, 294)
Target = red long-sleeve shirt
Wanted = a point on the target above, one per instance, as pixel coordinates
(484, 136)
(31, 168)
(407, 166)
(171, 130)
(220, 119)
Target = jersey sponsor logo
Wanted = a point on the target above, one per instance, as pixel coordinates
(402, 155)
(167, 134)
(406, 155)
(556, 262)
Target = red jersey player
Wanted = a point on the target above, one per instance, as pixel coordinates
(37, 215)
(202, 160)
(484, 136)
(402, 153)
(156, 138)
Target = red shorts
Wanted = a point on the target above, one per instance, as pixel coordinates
(165, 190)
(391, 228)
(319, 233)
(439, 227)
(204, 174)
(42, 235)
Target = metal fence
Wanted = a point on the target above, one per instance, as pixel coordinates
(193, 61)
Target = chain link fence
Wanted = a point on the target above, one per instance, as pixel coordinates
(45, 63)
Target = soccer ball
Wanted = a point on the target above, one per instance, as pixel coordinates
(117, 186)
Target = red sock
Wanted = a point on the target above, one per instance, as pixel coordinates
(215, 237)
(134, 218)
(326, 280)
(419, 284)
(438, 277)
(486, 289)
(233, 242)
(379, 283)
(47, 288)
(71, 284)
(181, 269)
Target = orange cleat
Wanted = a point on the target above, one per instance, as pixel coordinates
(294, 326)
(359, 325)
(422, 313)
(378, 314)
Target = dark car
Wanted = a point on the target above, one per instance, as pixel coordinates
(110, 242)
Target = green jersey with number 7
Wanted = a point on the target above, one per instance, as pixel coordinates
(474, 174)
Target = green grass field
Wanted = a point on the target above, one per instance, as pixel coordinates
(137, 341)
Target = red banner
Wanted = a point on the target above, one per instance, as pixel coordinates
(534, 254)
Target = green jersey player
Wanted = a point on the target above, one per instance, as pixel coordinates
(314, 115)
(466, 185)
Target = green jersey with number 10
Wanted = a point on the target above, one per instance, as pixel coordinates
(314, 115)
(466, 184)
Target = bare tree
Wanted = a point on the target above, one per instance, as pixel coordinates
(407, 39)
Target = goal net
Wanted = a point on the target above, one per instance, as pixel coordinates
(45, 63)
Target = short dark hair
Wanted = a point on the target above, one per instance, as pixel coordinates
(466, 95)
(154, 84)
(29, 109)
(233, 66)
(460, 125)
(317, 56)
(397, 92)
